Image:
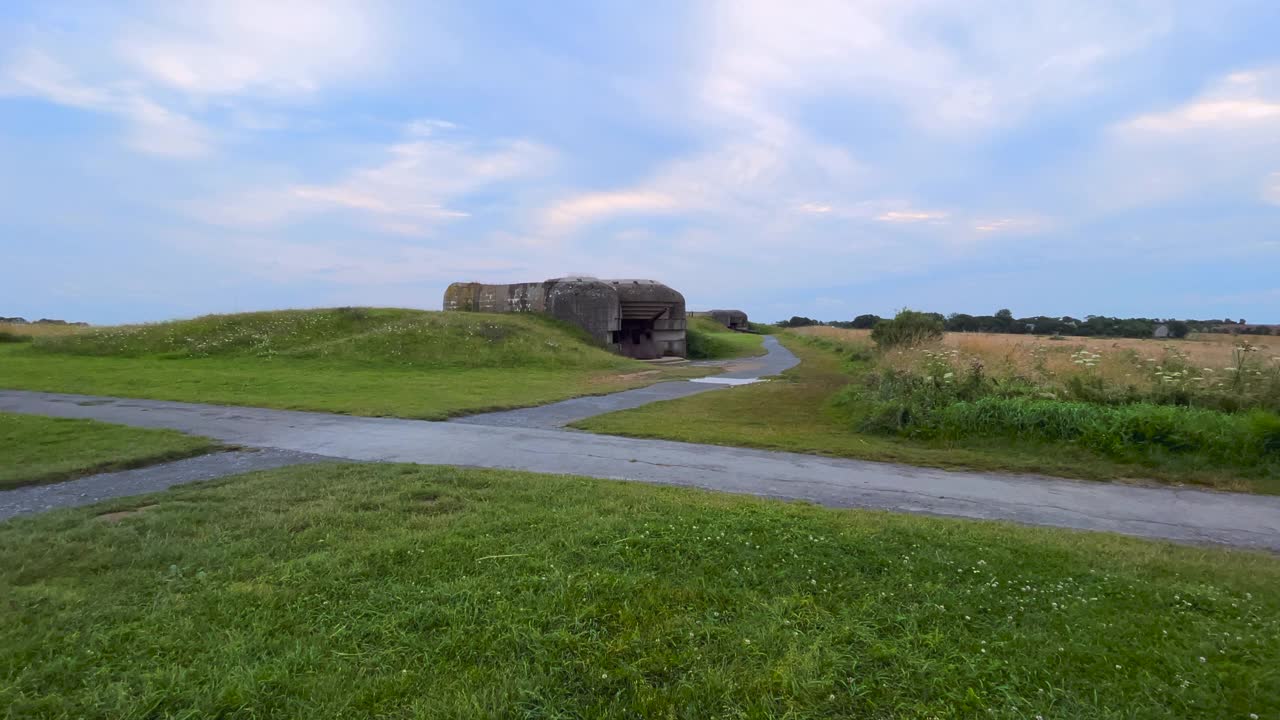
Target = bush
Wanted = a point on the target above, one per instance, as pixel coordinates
(12, 337)
(907, 328)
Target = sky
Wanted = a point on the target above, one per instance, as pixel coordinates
(816, 158)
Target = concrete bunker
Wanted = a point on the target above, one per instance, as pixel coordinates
(732, 319)
(641, 319)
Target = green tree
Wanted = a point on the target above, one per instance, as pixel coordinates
(907, 328)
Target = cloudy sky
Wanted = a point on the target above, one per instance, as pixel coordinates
(817, 158)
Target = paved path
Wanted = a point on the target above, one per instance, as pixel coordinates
(95, 488)
(1183, 515)
(556, 415)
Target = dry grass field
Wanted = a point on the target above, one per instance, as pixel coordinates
(1206, 360)
(35, 330)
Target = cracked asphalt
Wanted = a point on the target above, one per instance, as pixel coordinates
(1183, 515)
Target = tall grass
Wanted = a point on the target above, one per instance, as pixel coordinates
(1126, 432)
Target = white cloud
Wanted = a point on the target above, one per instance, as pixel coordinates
(577, 210)
(1217, 144)
(1007, 224)
(152, 128)
(353, 264)
(912, 216)
(233, 47)
(1271, 188)
(161, 67)
(1240, 102)
(408, 190)
(950, 66)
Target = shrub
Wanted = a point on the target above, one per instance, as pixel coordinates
(13, 337)
(907, 328)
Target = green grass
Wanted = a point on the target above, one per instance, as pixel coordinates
(709, 340)
(409, 591)
(36, 450)
(802, 416)
(405, 363)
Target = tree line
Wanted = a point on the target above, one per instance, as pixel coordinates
(1003, 321)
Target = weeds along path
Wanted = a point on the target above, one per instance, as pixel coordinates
(1166, 513)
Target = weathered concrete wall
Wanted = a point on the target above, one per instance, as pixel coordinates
(638, 318)
(665, 309)
(477, 297)
(590, 304)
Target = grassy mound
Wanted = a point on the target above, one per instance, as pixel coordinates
(360, 336)
(403, 363)
(709, 340)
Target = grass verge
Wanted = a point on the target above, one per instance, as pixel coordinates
(376, 362)
(801, 416)
(36, 450)
(409, 591)
(709, 340)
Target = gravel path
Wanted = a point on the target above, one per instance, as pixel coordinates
(95, 488)
(1169, 513)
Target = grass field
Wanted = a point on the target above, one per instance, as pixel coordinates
(407, 591)
(404, 363)
(709, 340)
(36, 450)
(802, 417)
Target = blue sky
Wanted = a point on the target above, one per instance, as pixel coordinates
(815, 158)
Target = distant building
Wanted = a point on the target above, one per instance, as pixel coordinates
(732, 319)
(641, 319)
(1161, 331)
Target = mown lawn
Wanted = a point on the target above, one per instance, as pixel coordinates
(796, 413)
(35, 449)
(410, 591)
(427, 393)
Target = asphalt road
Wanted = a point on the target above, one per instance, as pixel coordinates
(556, 415)
(1168, 513)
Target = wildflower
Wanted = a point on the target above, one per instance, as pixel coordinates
(1202, 659)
